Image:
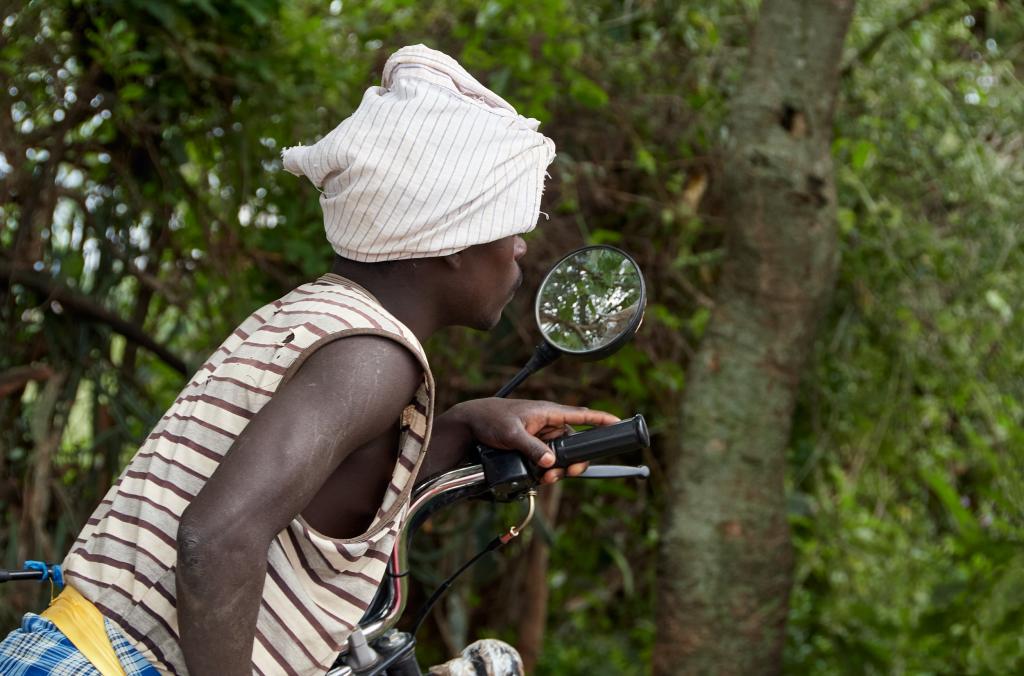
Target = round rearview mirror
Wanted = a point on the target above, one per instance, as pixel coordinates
(591, 302)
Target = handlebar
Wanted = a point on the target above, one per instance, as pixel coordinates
(509, 473)
(600, 442)
(504, 475)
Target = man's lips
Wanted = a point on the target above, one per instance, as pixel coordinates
(519, 283)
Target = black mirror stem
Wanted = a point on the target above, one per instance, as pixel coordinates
(543, 355)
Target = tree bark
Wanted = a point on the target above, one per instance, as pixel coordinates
(725, 565)
(47, 430)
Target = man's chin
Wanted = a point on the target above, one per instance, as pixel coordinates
(488, 324)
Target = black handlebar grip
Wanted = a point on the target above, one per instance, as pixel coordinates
(599, 442)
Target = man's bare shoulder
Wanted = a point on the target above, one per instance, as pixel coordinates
(365, 370)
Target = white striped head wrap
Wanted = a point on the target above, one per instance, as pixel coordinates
(430, 163)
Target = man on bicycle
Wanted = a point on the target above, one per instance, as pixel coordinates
(253, 526)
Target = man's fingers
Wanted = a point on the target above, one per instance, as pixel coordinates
(576, 469)
(552, 475)
(518, 425)
(586, 416)
(535, 449)
(557, 415)
(549, 433)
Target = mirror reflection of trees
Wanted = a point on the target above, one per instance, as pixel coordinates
(589, 300)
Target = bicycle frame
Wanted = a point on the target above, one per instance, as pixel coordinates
(386, 609)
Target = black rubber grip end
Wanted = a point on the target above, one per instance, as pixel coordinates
(600, 442)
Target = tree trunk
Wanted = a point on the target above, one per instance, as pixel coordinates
(725, 566)
(47, 429)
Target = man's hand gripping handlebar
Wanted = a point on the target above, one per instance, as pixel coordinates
(510, 474)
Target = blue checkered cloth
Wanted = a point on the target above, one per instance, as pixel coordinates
(39, 647)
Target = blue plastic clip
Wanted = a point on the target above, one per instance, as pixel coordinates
(58, 575)
(51, 572)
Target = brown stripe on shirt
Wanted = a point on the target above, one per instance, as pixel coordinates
(182, 440)
(280, 659)
(277, 346)
(202, 423)
(368, 303)
(239, 383)
(152, 503)
(306, 565)
(258, 365)
(157, 481)
(291, 634)
(320, 313)
(301, 608)
(112, 563)
(146, 525)
(219, 403)
(170, 461)
(290, 328)
(335, 589)
(345, 306)
(109, 536)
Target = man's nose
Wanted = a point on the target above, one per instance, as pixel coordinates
(519, 250)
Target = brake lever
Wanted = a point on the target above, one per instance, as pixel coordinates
(614, 472)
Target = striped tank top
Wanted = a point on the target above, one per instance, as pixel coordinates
(317, 588)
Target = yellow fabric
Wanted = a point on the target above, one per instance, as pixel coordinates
(82, 623)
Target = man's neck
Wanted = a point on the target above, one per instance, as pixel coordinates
(406, 293)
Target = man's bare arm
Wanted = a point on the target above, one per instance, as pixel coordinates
(348, 393)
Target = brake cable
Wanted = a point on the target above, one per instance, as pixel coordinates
(496, 543)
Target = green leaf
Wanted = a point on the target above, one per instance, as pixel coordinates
(586, 91)
(863, 151)
(699, 321)
(949, 498)
(645, 161)
(996, 301)
(131, 92)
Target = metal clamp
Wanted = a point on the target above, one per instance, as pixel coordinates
(514, 531)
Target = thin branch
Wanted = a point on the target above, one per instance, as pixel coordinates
(702, 298)
(81, 305)
(865, 53)
(15, 379)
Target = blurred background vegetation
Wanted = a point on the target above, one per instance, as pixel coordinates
(144, 213)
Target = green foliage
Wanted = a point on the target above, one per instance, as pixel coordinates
(907, 457)
(140, 171)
